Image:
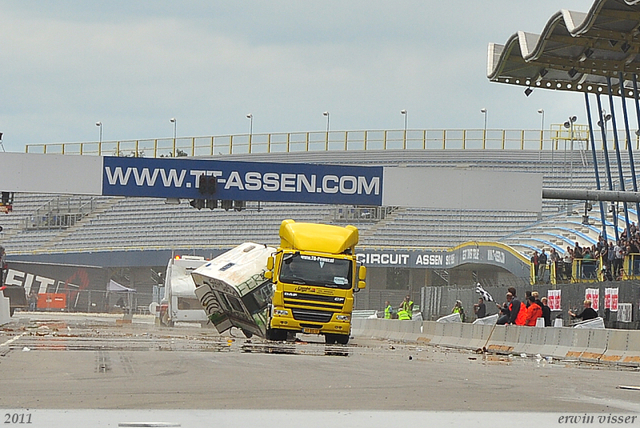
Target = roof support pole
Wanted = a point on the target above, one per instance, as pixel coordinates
(629, 145)
(618, 158)
(603, 131)
(603, 216)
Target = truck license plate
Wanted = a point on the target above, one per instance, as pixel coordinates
(311, 330)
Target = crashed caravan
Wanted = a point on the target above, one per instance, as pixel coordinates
(233, 290)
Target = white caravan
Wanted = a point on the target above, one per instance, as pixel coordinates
(180, 303)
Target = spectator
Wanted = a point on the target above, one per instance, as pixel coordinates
(606, 273)
(33, 300)
(405, 311)
(504, 311)
(533, 312)
(458, 309)
(517, 309)
(388, 310)
(542, 266)
(588, 313)
(554, 258)
(534, 263)
(546, 312)
(588, 264)
(577, 251)
(611, 255)
(619, 258)
(480, 309)
(568, 263)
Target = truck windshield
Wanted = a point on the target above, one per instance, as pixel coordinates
(315, 270)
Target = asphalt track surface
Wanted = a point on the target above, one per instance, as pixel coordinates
(80, 361)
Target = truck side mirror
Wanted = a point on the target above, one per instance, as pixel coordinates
(268, 274)
(270, 263)
(362, 285)
(362, 274)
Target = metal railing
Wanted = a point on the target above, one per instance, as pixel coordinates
(411, 139)
(59, 213)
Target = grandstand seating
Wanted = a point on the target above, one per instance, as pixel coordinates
(146, 223)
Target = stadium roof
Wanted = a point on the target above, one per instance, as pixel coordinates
(575, 52)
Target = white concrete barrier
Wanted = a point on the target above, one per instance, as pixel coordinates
(5, 312)
(565, 341)
(597, 345)
(594, 323)
(631, 356)
(589, 345)
(490, 320)
(450, 318)
(617, 344)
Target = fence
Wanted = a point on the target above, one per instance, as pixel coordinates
(93, 301)
(436, 302)
(555, 139)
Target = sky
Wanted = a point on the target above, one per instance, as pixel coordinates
(134, 65)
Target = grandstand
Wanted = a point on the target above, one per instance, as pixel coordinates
(49, 224)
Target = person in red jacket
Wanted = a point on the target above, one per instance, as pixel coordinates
(517, 309)
(534, 311)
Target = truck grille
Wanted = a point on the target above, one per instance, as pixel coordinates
(313, 297)
(314, 316)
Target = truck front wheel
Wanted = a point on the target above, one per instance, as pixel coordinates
(342, 339)
(277, 335)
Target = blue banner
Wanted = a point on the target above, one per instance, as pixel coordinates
(242, 181)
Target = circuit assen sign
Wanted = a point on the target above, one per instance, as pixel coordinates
(249, 181)
(481, 253)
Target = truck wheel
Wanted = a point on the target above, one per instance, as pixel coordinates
(247, 334)
(342, 339)
(277, 335)
(330, 339)
(11, 311)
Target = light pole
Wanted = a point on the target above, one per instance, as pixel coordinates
(175, 126)
(250, 117)
(569, 125)
(541, 112)
(406, 118)
(326, 139)
(485, 112)
(99, 125)
(326, 114)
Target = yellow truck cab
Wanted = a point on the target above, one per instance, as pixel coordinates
(314, 274)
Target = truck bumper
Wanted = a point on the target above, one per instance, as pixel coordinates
(332, 327)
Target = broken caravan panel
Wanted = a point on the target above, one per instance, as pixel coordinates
(234, 291)
(180, 303)
(315, 274)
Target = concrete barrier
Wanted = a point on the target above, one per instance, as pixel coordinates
(438, 333)
(466, 336)
(428, 332)
(586, 345)
(409, 331)
(5, 312)
(357, 327)
(479, 335)
(564, 342)
(498, 342)
(579, 344)
(550, 339)
(531, 340)
(450, 318)
(596, 347)
(631, 356)
(617, 343)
